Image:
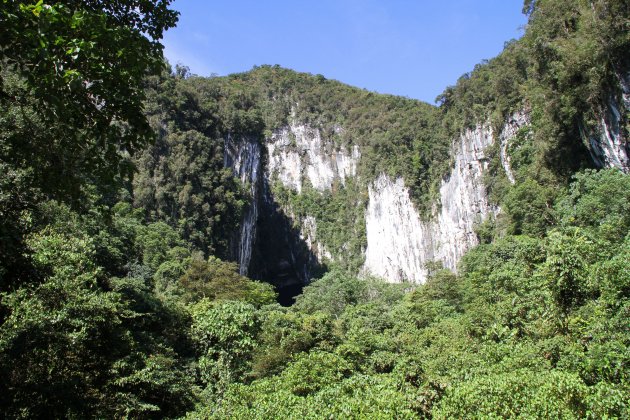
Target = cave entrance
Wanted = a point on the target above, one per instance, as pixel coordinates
(280, 255)
(287, 294)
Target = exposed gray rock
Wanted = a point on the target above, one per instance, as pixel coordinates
(463, 197)
(298, 152)
(400, 243)
(243, 156)
(608, 144)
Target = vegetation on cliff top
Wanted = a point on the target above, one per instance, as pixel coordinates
(113, 302)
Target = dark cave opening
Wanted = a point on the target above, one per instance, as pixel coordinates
(287, 294)
(280, 255)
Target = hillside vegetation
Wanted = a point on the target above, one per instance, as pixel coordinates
(118, 298)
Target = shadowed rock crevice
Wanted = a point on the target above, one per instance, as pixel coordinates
(279, 255)
(268, 247)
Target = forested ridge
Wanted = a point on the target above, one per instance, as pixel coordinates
(119, 296)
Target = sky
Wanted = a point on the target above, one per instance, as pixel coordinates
(413, 48)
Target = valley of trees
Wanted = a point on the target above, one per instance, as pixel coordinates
(118, 296)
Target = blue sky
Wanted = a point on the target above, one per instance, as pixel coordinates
(413, 48)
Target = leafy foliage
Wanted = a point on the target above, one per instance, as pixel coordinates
(115, 303)
(218, 280)
(65, 51)
(181, 179)
(532, 326)
(69, 116)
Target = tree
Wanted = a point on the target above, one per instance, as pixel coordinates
(69, 348)
(522, 393)
(71, 105)
(75, 69)
(225, 337)
(598, 200)
(218, 280)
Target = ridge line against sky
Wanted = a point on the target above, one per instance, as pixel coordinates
(412, 48)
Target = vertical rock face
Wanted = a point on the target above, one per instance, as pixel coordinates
(308, 233)
(243, 156)
(463, 198)
(297, 153)
(609, 146)
(400, 243)
(274, 245)
(268, 246)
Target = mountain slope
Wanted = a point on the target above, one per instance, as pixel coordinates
(337, 176)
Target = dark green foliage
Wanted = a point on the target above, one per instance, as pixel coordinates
(81, 342)
(69, 119)
(520, 393)
(78, 344)
(64, 51)
(530, 206)
(532, 326)
(224, 334)
(285, 334)
(340, 218)
(598, 199)
(337, 290)
(125, 310)
(155, 241)
(181, 179)
(57, 75)
(313, 371)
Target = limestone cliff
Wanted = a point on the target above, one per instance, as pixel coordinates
(297, 153)
(399, 241)
(608, 143)
(244, 157)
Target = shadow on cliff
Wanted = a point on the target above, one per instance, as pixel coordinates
(280, 256)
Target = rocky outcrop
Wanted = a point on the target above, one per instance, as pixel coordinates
(463, 197)
(268, 246)
(297, 153)
(399, 241)
(608, 143)
(308, 233)
(400, 244)
(243, 156)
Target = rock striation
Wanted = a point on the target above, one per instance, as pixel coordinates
(244, 158)
(400, 243)
(297, 153)
(608, 143)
